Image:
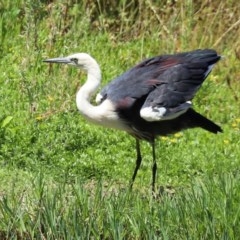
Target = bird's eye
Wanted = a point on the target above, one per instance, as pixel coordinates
(75, 60)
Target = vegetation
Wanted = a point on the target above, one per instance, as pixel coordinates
(63, 178)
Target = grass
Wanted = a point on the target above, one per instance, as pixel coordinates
(44, 210)
(63, 178)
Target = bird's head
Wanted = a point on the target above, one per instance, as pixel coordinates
(80, 60)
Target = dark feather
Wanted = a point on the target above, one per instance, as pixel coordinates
(164, 81)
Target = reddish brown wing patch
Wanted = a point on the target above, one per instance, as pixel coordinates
(170, 62)
(167, 60)
(125, 102)
(152, 82)
(158, 65)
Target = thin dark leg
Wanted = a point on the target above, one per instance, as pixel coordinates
(138, 162)
(154, 167)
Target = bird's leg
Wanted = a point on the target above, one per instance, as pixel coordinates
(154, 167)
(138, 162)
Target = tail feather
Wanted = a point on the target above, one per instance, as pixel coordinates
(203, 122)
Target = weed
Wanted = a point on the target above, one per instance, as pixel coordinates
(63, 178)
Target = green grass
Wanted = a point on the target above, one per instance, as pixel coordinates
(64, 178)
(207, 209)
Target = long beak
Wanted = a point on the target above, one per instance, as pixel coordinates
(58, 60)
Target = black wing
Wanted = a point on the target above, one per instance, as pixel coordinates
(166, 82)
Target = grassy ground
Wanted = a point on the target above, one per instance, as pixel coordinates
(63, 178)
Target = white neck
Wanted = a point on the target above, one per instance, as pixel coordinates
(87, 90)
(103, 114)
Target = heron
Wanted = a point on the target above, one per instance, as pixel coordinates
(149, 100)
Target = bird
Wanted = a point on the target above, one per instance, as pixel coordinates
(150, 100)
